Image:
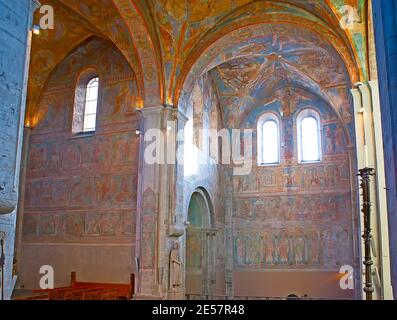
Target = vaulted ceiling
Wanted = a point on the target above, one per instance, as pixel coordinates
(167, 42)
(272, 58)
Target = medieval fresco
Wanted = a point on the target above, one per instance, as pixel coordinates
(83, 190)
(203, 110)
(161, 39)
(289, 217)
(222, 64)
(297, 215)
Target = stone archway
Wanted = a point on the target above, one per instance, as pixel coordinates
(200, 247)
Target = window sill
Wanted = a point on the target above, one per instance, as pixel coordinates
(269, 164)
(309, 162)
(82, 135)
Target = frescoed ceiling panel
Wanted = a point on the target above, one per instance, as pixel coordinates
(49, 49)
(163, 39)
(104, 16)
(187, 27)
(282, 57)
(353, 17)
(76, 21)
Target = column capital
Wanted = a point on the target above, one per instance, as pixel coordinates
(152, 110)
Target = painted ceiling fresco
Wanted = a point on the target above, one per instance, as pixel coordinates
(163, 39)
(355, 11)
(274, 57)
(188, 27)
(49, 50)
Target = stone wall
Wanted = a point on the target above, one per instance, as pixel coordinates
(81, 191)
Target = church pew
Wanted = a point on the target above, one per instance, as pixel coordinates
(110, 295)
(125, 291)
(86, 291)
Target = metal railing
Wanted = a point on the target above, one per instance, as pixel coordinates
(242, 298)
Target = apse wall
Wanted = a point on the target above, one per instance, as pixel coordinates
(201, 106)
(80, 199)
(294, 223)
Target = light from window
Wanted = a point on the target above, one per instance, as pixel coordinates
(91, 103)
(191, 151)
(270, 142)
(310, 150)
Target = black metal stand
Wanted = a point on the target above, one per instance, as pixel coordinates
(365, 175)
(2, 263)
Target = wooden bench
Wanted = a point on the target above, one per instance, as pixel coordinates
(125, 291)
(86, 291)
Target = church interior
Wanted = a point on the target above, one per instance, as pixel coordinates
(218, 149)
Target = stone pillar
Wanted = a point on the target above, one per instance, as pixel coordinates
(229, 234)
(369, 142)
(158, 220)
(14, 66)
(13, 88)
(176, 122)
(21, 200)
(385, 27)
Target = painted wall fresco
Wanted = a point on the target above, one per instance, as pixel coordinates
(79, 191)
(289, 217)
(83, 190)
(292, 215)
(205, 115)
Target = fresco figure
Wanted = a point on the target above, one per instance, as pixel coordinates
(340, 139)
(299, 250)
(329, 140)
(175, 267)
(283, 249)
(240, 252)
(268, 251)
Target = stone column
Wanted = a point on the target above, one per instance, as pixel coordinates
(385, 27)
(158, 220)
(369, 143)
(229, 236)
(13, 85)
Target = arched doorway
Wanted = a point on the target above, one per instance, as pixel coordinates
(200, 246)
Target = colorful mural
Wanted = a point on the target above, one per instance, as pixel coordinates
(297, 215)
(163, 39)
(292, 216)
(222, 64)
(83, 190)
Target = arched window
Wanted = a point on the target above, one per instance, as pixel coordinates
(91, 103)
(86, 102)
(268, 133)
(309, 136)
(191, 155)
